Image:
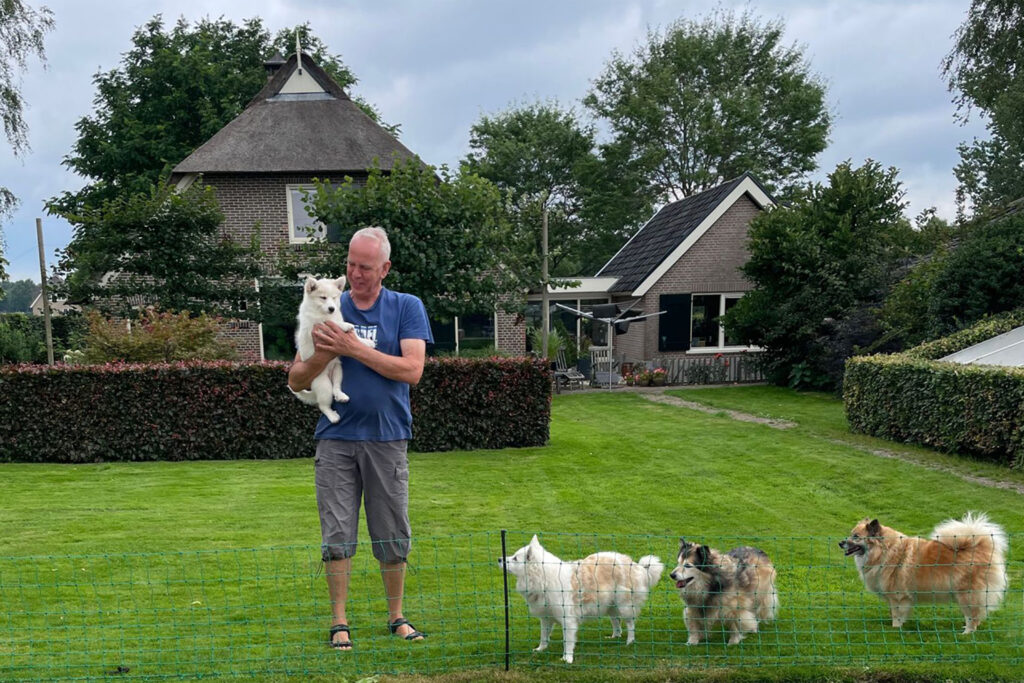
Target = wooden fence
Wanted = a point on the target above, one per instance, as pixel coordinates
(711, 368)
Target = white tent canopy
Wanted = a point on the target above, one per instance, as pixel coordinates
(1007, 350)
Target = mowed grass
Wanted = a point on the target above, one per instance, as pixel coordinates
(212, 568)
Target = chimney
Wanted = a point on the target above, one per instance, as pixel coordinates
(273, 64)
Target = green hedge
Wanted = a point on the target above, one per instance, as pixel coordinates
(224, 410)
(976, 410)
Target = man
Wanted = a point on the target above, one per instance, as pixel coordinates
(364, 454)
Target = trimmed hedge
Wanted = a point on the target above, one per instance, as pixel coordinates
(975, 334)
(464, 403)
(972, 409)
(223, 410)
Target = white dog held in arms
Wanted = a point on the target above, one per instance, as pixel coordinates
(602, 584)
(321, 302)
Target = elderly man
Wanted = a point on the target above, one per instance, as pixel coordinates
(364, 454)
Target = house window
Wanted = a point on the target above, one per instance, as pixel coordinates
(692, 321)
(707, 332)
(704, 320)
(301, 226)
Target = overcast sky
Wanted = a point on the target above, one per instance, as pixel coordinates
(434, 66)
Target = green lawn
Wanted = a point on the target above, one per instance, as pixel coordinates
(212, 568)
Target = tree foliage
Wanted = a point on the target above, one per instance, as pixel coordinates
(817, 266)
(981, 276)
(174, 89)
(543, 157)
(19, 296)
(153, 337)
(985, 70)
(22, 29)
(705, 101)
(158, 248)
(450, 242)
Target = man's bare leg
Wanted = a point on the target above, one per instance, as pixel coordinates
(338, 572)
(394, 589)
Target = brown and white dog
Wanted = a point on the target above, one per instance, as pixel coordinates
(736, 589)
(963, 561)
(568, 592)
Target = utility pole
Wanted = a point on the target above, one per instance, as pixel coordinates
(545, 313)
(44, 294)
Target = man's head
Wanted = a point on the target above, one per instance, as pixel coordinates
(369, 252)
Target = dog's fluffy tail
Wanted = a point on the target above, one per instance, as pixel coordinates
(976, 531)
(652, 564)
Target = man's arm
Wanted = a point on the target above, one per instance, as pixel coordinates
(329, 339)
(302, 372)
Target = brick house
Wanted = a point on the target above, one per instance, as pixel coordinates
(300, 126)
(685, 261)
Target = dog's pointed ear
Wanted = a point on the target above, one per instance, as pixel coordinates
(340, 282)
(310, 283)
(703, 556)
(874, 528)
(683, 544)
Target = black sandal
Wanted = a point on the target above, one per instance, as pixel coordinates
(394, 626)
(344, 645)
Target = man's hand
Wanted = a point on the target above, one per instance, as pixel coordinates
(329, 337)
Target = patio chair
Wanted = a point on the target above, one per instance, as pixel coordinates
(565, 375)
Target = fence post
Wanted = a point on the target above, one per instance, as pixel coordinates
(504, 576)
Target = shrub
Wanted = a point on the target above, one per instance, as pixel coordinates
(23, 337)
(224, 410)
(154, 338)
(467, 404)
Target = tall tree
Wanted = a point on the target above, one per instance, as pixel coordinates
(542, 157)
(21, 35)
(173, 90)
(985, 70)
(160, 248)
(449, 236)
(705, 101)
(20, 294)
(817, 267)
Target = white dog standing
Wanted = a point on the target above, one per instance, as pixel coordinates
(321, 302)
(602, 584)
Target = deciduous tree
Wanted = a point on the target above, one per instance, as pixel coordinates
(542, 156)
(817, 264)
(985, 70)
(449, 238)
(704, 101)
(158, 248)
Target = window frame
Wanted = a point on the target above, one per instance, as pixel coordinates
(721, 347)
(293, 237)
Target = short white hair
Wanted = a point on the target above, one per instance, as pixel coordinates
(377, 233)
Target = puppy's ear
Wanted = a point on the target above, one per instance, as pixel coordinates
(340, 283)
(310, 283)
(683, 545)
(703, 557)
(874, 528)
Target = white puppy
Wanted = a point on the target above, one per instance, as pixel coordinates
(602, 584)
(321, 302)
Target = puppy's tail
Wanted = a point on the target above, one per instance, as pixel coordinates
(653, 566)
(976, 533)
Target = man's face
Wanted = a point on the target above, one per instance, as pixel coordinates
(366, 269)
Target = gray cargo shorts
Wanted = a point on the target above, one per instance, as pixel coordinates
(376, 472)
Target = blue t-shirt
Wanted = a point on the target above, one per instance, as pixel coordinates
(378, 409)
